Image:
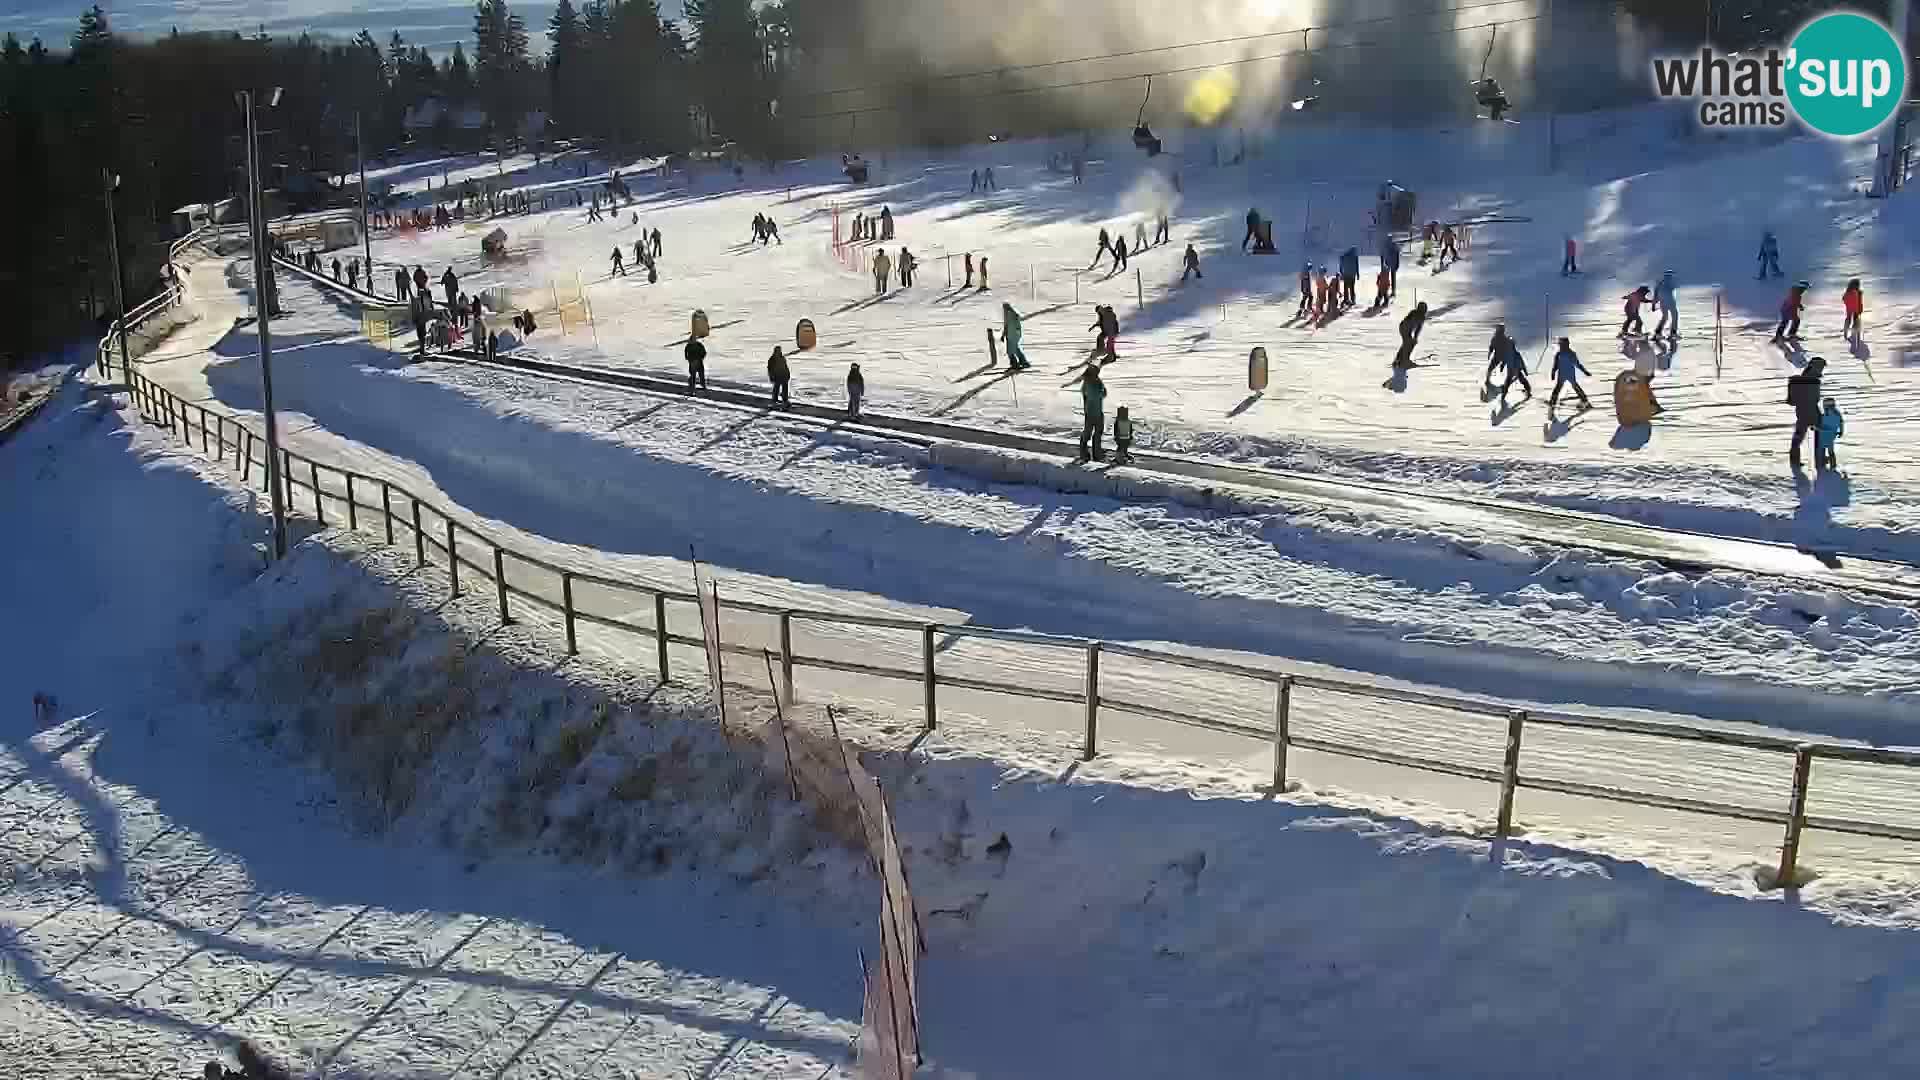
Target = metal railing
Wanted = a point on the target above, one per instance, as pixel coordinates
(472, 559)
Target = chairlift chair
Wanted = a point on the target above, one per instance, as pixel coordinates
(1143, 137)
(1487, 92)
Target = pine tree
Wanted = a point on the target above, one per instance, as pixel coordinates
(458, 77)
(566, 66)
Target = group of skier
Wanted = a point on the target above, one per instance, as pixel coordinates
(1115, 247)
(878, 227)
(765, 229)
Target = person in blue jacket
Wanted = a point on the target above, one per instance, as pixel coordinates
(1832, 426)
(1349, 275)
(1390, 260)
(1769, 256)
(1567, 369)
(1669, 307)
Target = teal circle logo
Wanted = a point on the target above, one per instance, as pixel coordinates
(1846, 74)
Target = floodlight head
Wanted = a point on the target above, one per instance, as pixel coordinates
(273, 99)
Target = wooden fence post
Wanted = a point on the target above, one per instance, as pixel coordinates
(1796, 816)
(660, 631)
(927, 676)
(500, 584)
(386, 509)
(786, 656)
(1510, 773)
(319, 506)
(1092, 744)
(1282, 710)
(566, 609)
(419, 536)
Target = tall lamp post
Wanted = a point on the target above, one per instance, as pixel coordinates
(366, 233)
(111, 180)
(263, 307)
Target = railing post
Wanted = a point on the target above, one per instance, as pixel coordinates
(1092, 744)
(1796, 815)
(246, 454)
(419, 536)
(203, 430)
(500, 584)
(319, 505)
(353, 509)
(1510, 773)
(927, 677)
(566, 609)
(386, 509)
(220, 436)
(786, 655)
(1282, 718)
(660, 631)
(453, 558)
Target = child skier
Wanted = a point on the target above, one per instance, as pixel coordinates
(1566, 371)
(1516, 372)
(1320, 308)
(1306, 290)
(856, 389)
(619, 267)
(1447, 247)
(1123, 435)
(967, 262)
(1382, 285)
(1790, 309)
(1190, 264)
(1851, 300)
(696, 365)
(1570, 265)
(1497, 351)
(1769, 256)
(1634, 299)
(1832, 426)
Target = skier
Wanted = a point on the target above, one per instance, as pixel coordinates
(1516, 372)
(1161, 232)
(1107, 326)
(336, 269)
(1093, 420)
(451, 283)
(1010, 330)
(973, 185)
(1253, 228)
(966, 261)
(1190, 264)
(1306, 290)
(1120, 255)
(696, 353)
(1390, 262)
(658, 249)
(1851, 301)
(882, 266)
(1320, 308)
(1349, 275)
(987, 179)
(1832, 426)
(778, 375)
(1570, 265)
(1790, 309)
(619, 267)
(1447, 248)
(1382, 288)
(1632, 324)
(1669, 308)
(856, 389)
(1427, 238)
(773, 232)
(760, 228)
(1122, 436)
(1106, 248)
(1769, 256)
(1139, 236)
(1497, 351)
(1566, 371)
(1410, 328)
(1803, 393)
(640, 252)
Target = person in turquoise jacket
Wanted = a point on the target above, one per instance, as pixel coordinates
(1010, 337)
(1093, 422)
(1669, 307)
(1832, 426)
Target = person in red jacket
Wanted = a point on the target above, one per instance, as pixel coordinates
(1851, 300)
(1790, 309)
(1635, 299)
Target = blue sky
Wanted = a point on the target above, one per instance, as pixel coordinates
(436, 24)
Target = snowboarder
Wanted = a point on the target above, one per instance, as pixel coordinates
(1632, 324)
(1190, 264)
(1851, 300)
(451, 283)
(1790, 309)
(1349, 275)
(1832, 426)
(1566, 371)
(1122, 436)
(1093, 420)
(1669, 307)
(1447, 246)
(1410, 328)
(1769, 256)
(1306, 290)
(1253, 228)
(1119, 254)
(1516, 372)
(1570, 265)
(856, 389)
(619, 267)
(1107, 326)
(696, 353)
(1106, 248)
(1162, 233)
(966, 261)
(779, 376)
(1010, 330)
(882, 267)
(1803, 393)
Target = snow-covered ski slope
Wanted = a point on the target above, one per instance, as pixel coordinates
(1639, 190)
